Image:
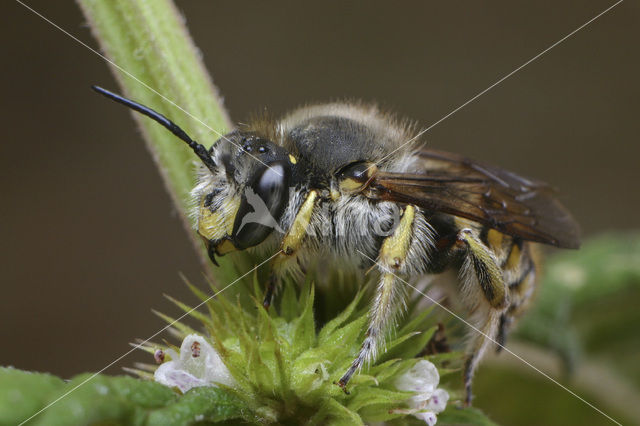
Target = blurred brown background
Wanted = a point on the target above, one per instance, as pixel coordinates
(90, 241)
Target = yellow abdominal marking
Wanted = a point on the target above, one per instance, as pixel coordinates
(494, 238)
(292, 159)
(514, 258)
(395, 247)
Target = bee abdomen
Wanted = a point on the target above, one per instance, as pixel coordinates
(519, 261)
(520, 269)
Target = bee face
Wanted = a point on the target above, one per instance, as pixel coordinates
(241, 201)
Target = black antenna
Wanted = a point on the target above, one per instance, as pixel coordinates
(199, 149)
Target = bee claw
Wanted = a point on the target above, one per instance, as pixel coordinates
(271, 286)
(212, 256)
(210, 250)
(343, 386)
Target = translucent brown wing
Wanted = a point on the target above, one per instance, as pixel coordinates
(497, 198)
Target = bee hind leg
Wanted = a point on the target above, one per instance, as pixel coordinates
(480, 274)
(391, 261)
(503, 330)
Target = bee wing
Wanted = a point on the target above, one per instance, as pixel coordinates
(502, 200)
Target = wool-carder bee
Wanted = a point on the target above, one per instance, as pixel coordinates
(339, 184)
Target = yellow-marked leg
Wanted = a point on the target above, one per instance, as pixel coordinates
(481, 263)
(290, 243)
(484, 264)
(391, 261)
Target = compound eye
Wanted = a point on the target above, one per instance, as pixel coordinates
(355, 176)
(262, 205)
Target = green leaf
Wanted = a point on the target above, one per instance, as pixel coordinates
(89, 399)
(204, 319)
(453, 415)
(391, 369)
(408, 345)
(289, 303)
(97, 399)
(304, 328)
(331, 326)
(372, 395)
(182, 328)
(344, 337)
(22, 393)
(334, 413)
(418, 322)
(207, 404)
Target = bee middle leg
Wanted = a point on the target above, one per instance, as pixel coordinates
(480, 269)
(290, 244)
(391, 261)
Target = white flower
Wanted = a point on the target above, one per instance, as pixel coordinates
(198, 364)
(423, 379)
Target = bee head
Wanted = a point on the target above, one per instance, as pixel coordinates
(242, 190)
(241, 201)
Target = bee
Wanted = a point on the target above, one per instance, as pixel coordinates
(338, 184)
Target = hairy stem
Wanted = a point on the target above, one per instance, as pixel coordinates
(156, 63)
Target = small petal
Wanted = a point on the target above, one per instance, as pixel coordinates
(199, 358)
(169, 374)
(438, 401)
(428, 417)
(193, 353)
(198, 364)
(423, 378)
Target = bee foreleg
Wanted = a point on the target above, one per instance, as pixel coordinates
(271, 287)
(481, 270)
(391, 261)
(290, 244)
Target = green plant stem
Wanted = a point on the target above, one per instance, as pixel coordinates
(149, 41)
